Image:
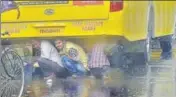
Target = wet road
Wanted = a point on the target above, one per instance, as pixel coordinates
(136, 86)
(118, 84)
(88, 87)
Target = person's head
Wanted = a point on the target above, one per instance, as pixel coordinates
(36, 43)
(59, 44)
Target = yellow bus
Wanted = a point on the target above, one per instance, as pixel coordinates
(134, 21)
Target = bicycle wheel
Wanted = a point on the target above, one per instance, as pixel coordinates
(12, 80)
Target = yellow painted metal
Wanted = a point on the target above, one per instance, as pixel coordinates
(60, 12)
(164, 17)
(135, 20)
(90, 20)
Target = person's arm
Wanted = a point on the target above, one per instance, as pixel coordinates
(46, 49)
(108, 49)
(81, 56)
(84, 59)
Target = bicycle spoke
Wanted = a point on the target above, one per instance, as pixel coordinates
(4, 92)
(6, 65)
(3, 76)
(11, 66)
(4, 82)
(17, 85)
(14, 91)
(2, 87)
(17, 74)
(8, 57)
(13, 87)
(16, 62)
(11, 81)
(8, 92)
(17, 68)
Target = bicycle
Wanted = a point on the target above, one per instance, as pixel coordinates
(12, 74)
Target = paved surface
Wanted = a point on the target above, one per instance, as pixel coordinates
(136, 86)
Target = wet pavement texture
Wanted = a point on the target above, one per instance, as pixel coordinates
(118, 84)
(134, 83)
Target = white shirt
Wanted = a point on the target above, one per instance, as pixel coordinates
(48, 51)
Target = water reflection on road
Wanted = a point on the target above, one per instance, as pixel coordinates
(116, 86)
